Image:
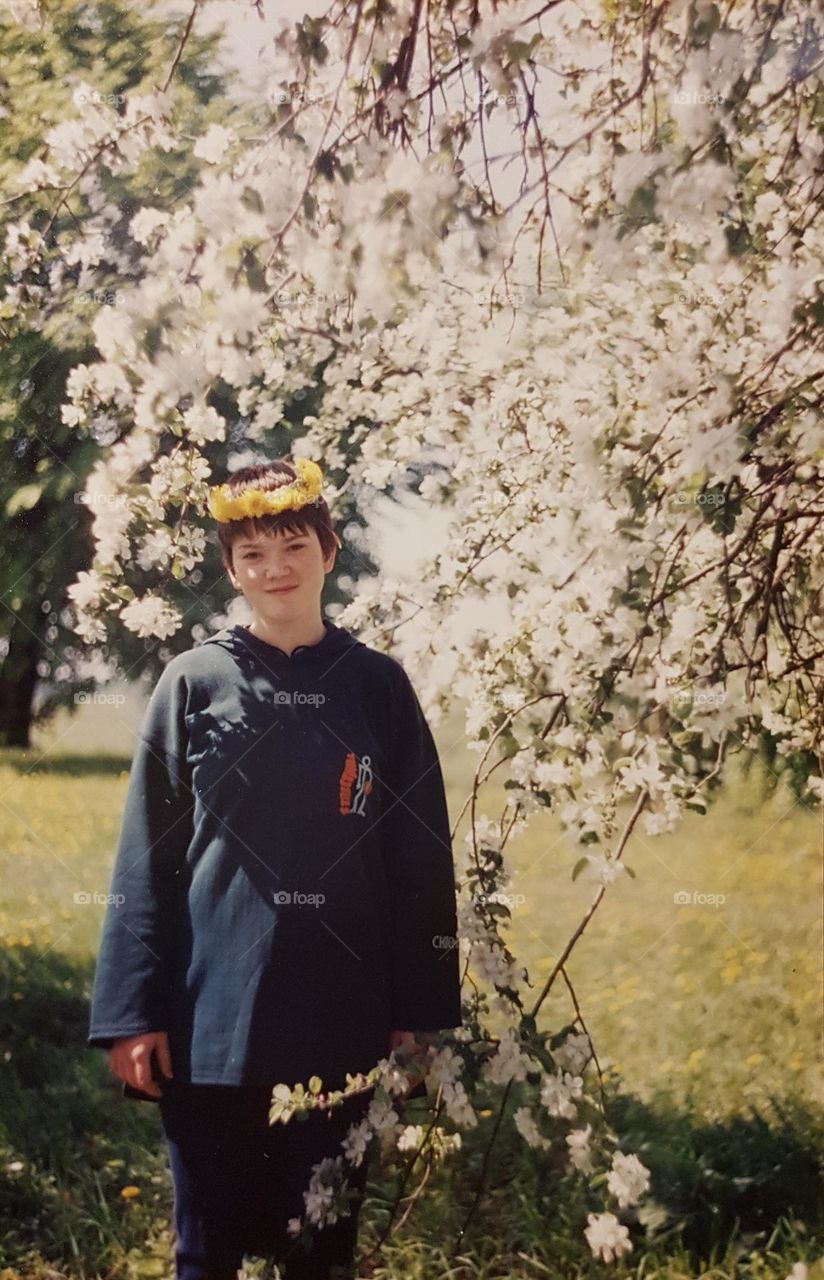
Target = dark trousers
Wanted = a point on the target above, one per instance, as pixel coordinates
(238, 1180)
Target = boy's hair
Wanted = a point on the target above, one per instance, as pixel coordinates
(269, 476)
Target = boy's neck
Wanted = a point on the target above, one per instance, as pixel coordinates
(291, 634)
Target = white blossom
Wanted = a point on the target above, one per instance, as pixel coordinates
(146, 223)
(151, 616)
(580, 1153)
(410, 1137)
(356, 1142)
(606, 1236)
(628, 1179)
(213, 144)
(574, 1054)
(558, 1093)
(527, 1127)
(508, 1062)
(86, 588)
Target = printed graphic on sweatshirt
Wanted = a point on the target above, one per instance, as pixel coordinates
(355, 783)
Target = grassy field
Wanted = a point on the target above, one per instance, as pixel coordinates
(707, 1017)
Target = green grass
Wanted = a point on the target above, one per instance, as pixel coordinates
(708, 1021)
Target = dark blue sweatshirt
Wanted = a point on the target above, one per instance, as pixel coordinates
(283, 878)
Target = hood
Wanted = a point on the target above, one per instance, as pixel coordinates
(241, 644)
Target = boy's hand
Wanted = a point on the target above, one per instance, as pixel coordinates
(413, 1046)
(131, 1060)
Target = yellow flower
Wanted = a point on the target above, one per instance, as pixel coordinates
(219, 502)
(129, 1192)
(694, 1060)
(254, 503)
(258, 502)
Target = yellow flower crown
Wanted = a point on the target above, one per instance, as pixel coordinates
(256, 502)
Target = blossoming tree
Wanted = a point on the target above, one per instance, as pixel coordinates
(554, 268)
(45, 321)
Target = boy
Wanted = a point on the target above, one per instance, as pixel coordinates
(285, 875)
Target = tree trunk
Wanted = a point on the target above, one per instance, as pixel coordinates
(18, 678)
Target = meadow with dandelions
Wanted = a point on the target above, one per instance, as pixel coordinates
(706, 1016)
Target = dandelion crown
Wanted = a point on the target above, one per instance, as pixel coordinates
(257, 502)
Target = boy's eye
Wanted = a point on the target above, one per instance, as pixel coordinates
(296, 546)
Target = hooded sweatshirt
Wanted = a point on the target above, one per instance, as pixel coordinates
(283, 889)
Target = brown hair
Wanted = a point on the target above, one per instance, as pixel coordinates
(270, 476)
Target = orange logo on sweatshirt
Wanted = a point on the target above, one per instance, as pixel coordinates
(355, 784)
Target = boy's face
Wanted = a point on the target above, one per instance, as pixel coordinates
(262, 566)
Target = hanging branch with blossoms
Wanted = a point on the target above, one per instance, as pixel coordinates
(554, 271)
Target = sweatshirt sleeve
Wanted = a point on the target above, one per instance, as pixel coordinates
(131, 988)
(417, 854)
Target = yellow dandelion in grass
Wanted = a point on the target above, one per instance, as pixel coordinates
(128, 1193)
(694, 1060)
